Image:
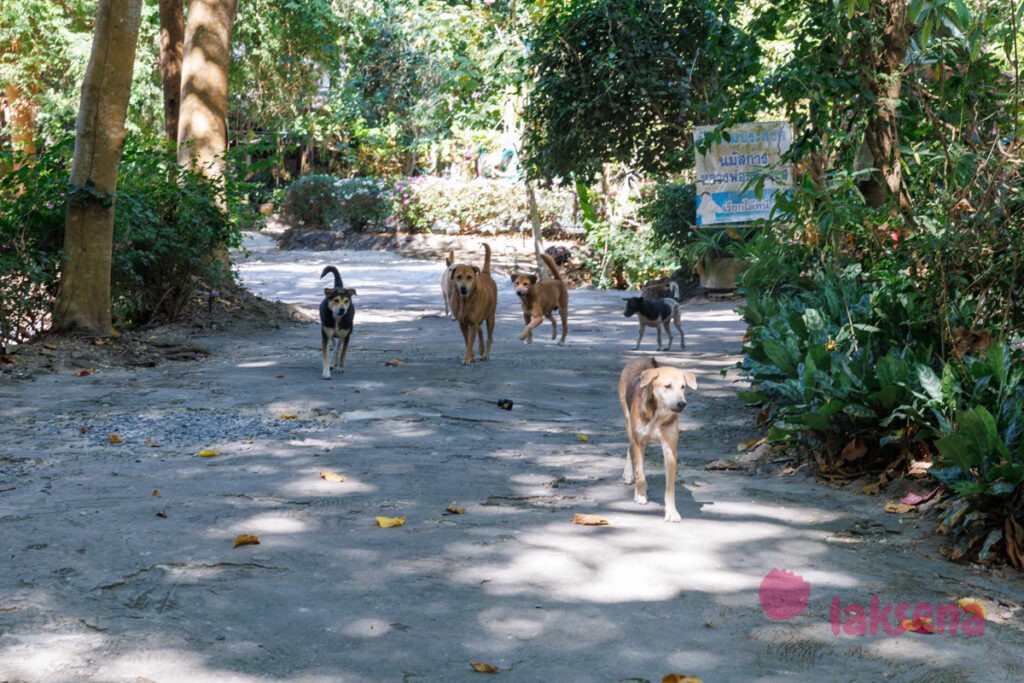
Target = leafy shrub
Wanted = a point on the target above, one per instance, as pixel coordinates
(670, 211)
(313, 202)
(170, 236)
(365, 203)
(31, 239)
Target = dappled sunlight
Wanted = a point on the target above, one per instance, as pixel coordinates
(42, 656)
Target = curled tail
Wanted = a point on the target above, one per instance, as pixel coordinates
(552, 266)
(450, 258)
(487, 258)
(337, 276)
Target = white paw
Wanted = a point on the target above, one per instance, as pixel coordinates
(326, 374)
(672, 516)
(640, 500)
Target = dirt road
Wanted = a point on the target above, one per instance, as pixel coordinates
(117, 560)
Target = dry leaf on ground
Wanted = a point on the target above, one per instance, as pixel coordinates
(394, 363)
(114, 438)
(83, 372)
(208, 453)
(589, 520)
(583, 437)
(898, 508)
(388, 522)
(680, 678)
(484, 668)
(245, 539)
(973, 606)
(332, 476)
(287, 416)
(453, 510)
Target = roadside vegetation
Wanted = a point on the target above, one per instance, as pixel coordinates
(883, 298)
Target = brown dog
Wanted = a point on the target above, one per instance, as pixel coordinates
(474, 301)
(541, 298)
(652, 397)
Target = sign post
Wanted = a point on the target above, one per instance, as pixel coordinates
(727, 172)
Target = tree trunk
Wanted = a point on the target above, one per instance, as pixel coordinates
(83, 302)
(882, 134)
(172, 37)
(202, 126)
(21, 116)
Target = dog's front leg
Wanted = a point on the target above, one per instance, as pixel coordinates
(668, 331)
(668, 451)
(640, 337)
(533, 323)
(344, 349)
(469, 331)
(640, 489)
(325, 372)
(485, 353)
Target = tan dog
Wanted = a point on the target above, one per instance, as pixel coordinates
(541, 298)
(446, 281)
(474, 301)
(652, 397)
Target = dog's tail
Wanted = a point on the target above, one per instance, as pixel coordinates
(487, 259)
(552, 266)
(674, 286)
(337, 276)
(449, 259)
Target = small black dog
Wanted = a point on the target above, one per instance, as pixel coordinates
(336, 314)
(657, 314)
(561, 254)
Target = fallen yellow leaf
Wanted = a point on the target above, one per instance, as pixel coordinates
(285, 416)
(898, 508)
(919, 625)
(151, 443)
(83, 372)
(156, 493)
(114, 438)
(208, 453)
(589, 520)
(680, 678)
(453, 510)
(388, 522)
(332, 476)
(245, 539)
(484, 668)
(583, 437)
(394, 363)
(51, 346)
(973, 606)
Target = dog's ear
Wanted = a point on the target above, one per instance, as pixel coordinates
(648, 376)
(476, 269)
(349, 292)
(533, 279)
(513, 277)
(328, 290)
(690, 379)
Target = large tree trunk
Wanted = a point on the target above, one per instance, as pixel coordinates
(882, 136)
(172, 38)
(83, 302)
(202, 126)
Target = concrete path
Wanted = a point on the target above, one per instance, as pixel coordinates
(116, 559)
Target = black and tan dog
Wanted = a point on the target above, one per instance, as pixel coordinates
(540, 298)
(474, 301)
(657, 314)
(652, 397)
(336, 314)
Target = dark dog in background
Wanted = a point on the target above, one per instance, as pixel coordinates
(540, 298)
(560, 254)
(336, 315)
(652, 397)
(657, 314)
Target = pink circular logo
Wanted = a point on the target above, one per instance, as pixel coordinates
(783, 594)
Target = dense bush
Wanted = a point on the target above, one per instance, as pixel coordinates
(169, 235)
(31, 238)
(670, 211)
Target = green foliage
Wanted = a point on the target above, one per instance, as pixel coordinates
(31, 238)
(169, 231)
(670, 211)
(321, 202)
(625, 82)
(169, 235)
